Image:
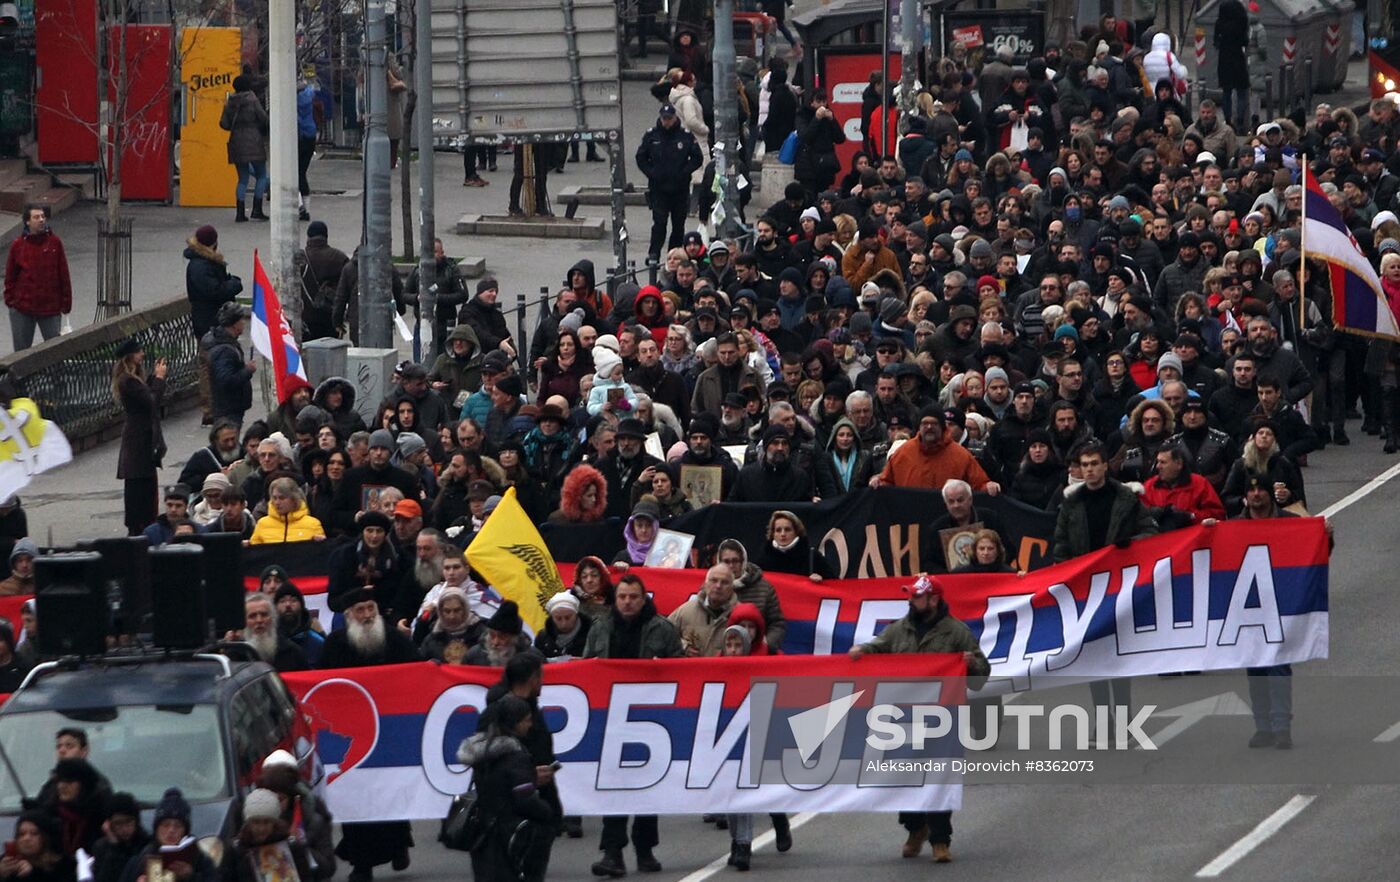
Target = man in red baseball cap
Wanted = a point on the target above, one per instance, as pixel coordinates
(929, 628)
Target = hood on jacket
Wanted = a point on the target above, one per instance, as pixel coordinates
(749, 613)
(571, 495)
(293, 384)
(347, 394)
(890, 280)
(1157, 404)
(482, 748)
(831, 437)
(466, 332)
(196, 249)
(1162, 43)
(584, 266)
(650, 292)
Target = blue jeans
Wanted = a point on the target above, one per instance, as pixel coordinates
(256, 171)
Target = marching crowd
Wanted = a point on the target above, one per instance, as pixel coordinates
(1057, 286)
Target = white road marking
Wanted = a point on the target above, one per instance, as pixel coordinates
(1256, 837)
(762, 840)
(1360, 493)
(1388, 735)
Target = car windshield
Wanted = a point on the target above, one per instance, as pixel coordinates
(142, 749)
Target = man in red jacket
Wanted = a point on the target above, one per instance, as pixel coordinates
(1176, 496)
(37, 288)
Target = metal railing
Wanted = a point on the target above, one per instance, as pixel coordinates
(70, 377)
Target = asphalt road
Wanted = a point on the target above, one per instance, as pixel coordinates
(1079, 830)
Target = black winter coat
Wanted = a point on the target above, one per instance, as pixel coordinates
(668, 157)
(320, 278)
(816, 150)
(1232, 45)
(230, 378)
(757, 482)
(208, 285)
(487, 320)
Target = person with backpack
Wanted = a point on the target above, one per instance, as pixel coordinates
(321, 265)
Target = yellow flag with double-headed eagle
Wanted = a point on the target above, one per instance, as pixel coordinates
(511, 555)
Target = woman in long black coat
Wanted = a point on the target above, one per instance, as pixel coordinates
(143, 444)
(1232, 66)
(818, 133)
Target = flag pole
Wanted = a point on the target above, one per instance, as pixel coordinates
(1302, 247)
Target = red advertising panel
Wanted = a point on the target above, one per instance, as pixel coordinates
(145, 116)
(844, 75)
(65, 63)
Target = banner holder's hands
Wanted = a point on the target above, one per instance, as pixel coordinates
(856, 652)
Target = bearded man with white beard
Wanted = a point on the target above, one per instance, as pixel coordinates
(260, 632)
(364, 642)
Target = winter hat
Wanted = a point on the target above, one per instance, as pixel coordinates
(27, 546)
(573, 320)
(506, 619)
(123, 804)
(981, 248)
(279, 757)
(647, 508)
(1389, 245)
(1065, 330)
(608, 342)
(409, 444)
(1119, 202)
(996, 373)
(704, 424)
(382, 438)
(809, 212)
(604, 360)
(563, 598)
(988, 281)
(891, 308)
(79, 771)
(1169, 359)
(207, 236)
(261, 804)
(511, 385)
(860, 324)
(216, 481)
(172, 806)
(317, 228)
(490, 506)
(375, 519)
(870, 291)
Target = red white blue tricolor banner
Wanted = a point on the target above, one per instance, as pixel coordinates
(1240, 594)
(641, 737)
(271, 334)
(1359, 303)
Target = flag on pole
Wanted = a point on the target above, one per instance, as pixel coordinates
(272, 337)
(29, 444)
(510, 553)
(1359, 304)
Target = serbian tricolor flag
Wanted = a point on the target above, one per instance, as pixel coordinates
(1359, 304)
(271, 335)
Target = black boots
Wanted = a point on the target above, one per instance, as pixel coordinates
(242, 216)
(611, 864)
(740, 855)
(257, 210)
(646, 861)
(782, 832)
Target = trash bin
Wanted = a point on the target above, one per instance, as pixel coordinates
(1302, 20)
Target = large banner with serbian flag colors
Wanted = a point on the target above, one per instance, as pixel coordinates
(1359, 303)
(1239, 594)
(272, 336)
(637, 737)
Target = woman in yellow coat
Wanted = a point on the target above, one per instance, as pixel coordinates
(288, 519)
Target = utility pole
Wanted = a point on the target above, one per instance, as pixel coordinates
(885, 147)
(376, 293)
(726, 136)
(423, 85)
(909, 54)
(282, 113)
